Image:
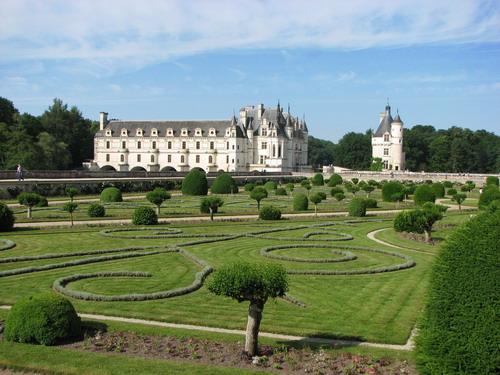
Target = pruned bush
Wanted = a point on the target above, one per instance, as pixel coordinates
(300, 202)
(157, 197)
(42, 319)
(29, 200)
(419, 220)
(269, 213)
(224, 184)
(492, 180)
(423, 194)
(250, 186)
(459, 332)
(334, 180)
(339, 196)
(389, 189)
(281, 191)
(258, 194)
(357, 207)
(451, 192)
(210, 205)
(448, 184)
(290, 186)
(270, 185)
(438, 189)
(336, 190)
(6, 218)
(144, 216)
(111, 194)
(371, 203)
(96, 210)
(489, 194)
(43, 202)
(195, 183)
(318, 180)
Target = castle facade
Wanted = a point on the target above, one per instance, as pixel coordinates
(387, 141)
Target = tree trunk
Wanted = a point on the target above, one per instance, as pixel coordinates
(158, 210)
(71, 216)
(211, 213)
(253, 325)
(428, 237)
(315, 210)
(258, 205)
(29, 212)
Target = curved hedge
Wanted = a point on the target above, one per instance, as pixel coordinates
(224, 184)
(195, 183)
(6, 244)
(111, 194)
(390, 188)
(459, 333)
(6, 218)
(334, 180)
(346, 255)
(357, 207)
(144, 216)
(42, 319)
(96, 210)
(423, 194)
(300, 202)
(269, 213)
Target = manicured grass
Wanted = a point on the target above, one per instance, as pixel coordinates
(375, 307)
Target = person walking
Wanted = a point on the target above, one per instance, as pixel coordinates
(19, 173)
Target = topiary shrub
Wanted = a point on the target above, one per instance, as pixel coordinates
(389, 189)
(438, 189)
(420, 220)
(339, 196)
(157, 197)
(489, 194)
(210, 205)
(290, 186)
(144, 216)
(6, 218)
(371, 203)
(96, 210)
(195, 183)
(357, 207)
(250, 186)
(492, 180)
(448, 184)
(318, 180)
(270, 185)
(451, 192)
(269, 213)
(334, 180)
(111, 194)
(300, 202)
(281, 191)
(258, 194)
(43, 202)
(459, 332)
(29, 200)
(423, 194)
(42, 319)
(336, 190)
(224, 184)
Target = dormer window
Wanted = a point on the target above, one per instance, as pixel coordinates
(108, 133)
(228, 132)
(154, 132)
(264, 132)
(386, 137)
(124, 132)
(211, 132)
(184, 132)
(198, 132)
(139, 132)
(170, 132)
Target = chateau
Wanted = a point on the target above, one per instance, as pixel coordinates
(387, 141)
(261, 139)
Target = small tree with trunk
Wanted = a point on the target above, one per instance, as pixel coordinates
(258, 194)
(210, 205)
(157, 197)
(70, 207)
(255, 283)
(459, 198)
(468, 187)
(368, 189)
(315, 198)
(420, 220)
(398, 197)
(71, 192)
(29, 200)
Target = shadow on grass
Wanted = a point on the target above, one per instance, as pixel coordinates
(321, 340)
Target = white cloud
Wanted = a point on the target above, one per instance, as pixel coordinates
(134, 33)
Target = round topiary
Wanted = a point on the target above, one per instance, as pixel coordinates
(423, 194)
(300, 202)
(6, 218)
(111, 194)
(357, 207)
(334, 180)
(144, 216)
(448, 184)
(318, 180)
(281, 191)
(390, 188)
(290, 186)
(224, 184)
(336, 190)
(269, 213)
(489, 194)
(270, 185)
(492, 180)
(250, 186)
(42, 319)
(438, 189)
(339, 196)
(195, 183)
(43, 202)
(96, 210)
(459, 332)
(451, 192)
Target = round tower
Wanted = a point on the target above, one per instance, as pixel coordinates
(397, 154)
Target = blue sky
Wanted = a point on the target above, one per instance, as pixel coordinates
(335, 61)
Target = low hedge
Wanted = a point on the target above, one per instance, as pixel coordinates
(269, 213)
(144, 216)
(6, 218)
(111, 194)
(346, 255)
(300, 202)
(96, 210)
(492, 180)
(6, 245)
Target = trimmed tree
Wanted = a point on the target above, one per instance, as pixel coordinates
(318, 180)
(398, 198)
(71, 192)
(96, 210)
(336, 190)
(438, 189)
(368, 189)
(250, 186)
(257, 194)
(29, 200)
(224, 184)
(111, 194)
(144, 216)
(420, 220)
(290, 186)
(459, 332)
(210, 205)
(270, 213)
(459, 198)
(255, 283)
(270, 185)
(157, 197)
(424, 194)
(390, 188)
(6, 218)
(300, 202)
(70, 207)
(316, 199)
(357, 207)
(195, 183)
(492, 180)
(334, 180)
(339, 196)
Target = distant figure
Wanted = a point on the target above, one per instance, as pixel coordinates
(19, 173)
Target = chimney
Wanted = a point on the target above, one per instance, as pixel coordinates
(260, 110)
(103, 120)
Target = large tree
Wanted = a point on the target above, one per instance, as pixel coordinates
(354, 151)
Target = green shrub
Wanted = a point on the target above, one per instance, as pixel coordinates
(43, 202)
(334, 180)
(492, 180)
(423, 194)
(111, 194)
(318, 180)
(409, 221)
(250, 186)
(300, 202)
(355, 180)
(459, 332)
(281, 191)
(42, 319)
(438, 189)
(339, 196)
(490, 193)
(290, 186)
(494, 206)
(270, 213)
(210, 205)
(224, 184)
(270, 185)
(357, 207)
(144, 216)
(390, 188)
(157, 197)
(96, 210)
(371, 203)
(336, 190)
(195, 183)
(258, 194)
(29, 200)
(6, 218)
(448, 184)
(71, 192)
(451, 192)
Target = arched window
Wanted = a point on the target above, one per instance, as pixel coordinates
(107, 144)
(210, 159)
(122, 158)
(139, 158)
(386, 137)
(152, 158)
(107, 157)
(197, 158)
(182, 159)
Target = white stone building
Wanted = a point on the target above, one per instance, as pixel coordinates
(387, 141)
(261, 139)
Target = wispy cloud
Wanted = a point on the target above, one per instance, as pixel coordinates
(133, 33)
